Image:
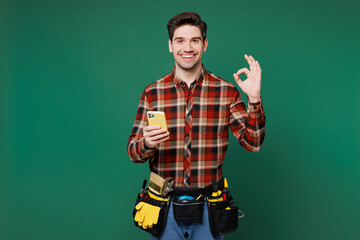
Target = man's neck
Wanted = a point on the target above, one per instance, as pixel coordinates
(188, 76)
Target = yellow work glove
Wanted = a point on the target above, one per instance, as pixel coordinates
(146, 215)
(139, 217)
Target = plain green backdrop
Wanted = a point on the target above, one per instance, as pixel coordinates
(72, 73)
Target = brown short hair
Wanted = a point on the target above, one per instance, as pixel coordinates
(186, 18)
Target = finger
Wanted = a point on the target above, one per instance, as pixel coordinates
(243, 70)
(150, 128)
(155, 132)
(154, 143)
(252, 63)
(140, 218)
(139, 205)
(158, 136)
(137, 217)
(249, 60)
(236, 77)
(258, 66)
(252, 58)
(252, 67)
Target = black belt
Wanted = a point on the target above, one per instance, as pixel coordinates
(205, 191)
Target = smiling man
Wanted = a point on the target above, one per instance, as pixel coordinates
(187, 46)
(199, 107)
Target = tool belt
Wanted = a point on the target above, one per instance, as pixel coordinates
(223, 213)
(151, 209)
(150, 212)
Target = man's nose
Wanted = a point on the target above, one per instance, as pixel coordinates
(188, 47)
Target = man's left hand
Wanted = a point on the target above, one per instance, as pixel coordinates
(252, 85)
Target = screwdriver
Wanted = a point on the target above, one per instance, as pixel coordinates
(143, 197)
(226, 190)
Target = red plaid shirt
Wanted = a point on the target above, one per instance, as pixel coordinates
(216, 106)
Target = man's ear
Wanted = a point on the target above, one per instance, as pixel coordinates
(205, 45)
(170, 47)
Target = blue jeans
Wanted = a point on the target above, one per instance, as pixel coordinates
(177, 230)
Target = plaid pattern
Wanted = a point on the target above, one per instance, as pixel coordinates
(216, 106)
(188, 125)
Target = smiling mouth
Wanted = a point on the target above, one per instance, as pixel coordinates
(187, 57)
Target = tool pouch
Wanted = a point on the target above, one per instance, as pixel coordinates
(223, 216)
(189, 211)
(159, 201)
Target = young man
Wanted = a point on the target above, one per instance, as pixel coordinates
(199, 108)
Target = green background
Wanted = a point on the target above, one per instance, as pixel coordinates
(72, 73)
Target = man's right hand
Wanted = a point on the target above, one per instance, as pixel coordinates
(154, 135)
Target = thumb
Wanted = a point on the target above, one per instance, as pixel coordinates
(139, 205)
(237, 79)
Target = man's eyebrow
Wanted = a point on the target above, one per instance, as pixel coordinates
(191, 38)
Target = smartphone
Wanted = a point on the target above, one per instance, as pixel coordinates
(157, 118)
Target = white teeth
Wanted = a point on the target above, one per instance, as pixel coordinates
(187, 56)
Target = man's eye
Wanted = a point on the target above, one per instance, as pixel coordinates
(180, 41)
(195, 40)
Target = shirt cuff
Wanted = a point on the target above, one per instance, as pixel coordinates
(144, 148)
(255, 109)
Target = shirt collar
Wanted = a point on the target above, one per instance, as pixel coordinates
(198, 80)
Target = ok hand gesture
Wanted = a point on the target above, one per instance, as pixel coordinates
(251, 86)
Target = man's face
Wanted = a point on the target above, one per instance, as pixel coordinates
(187, 47)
